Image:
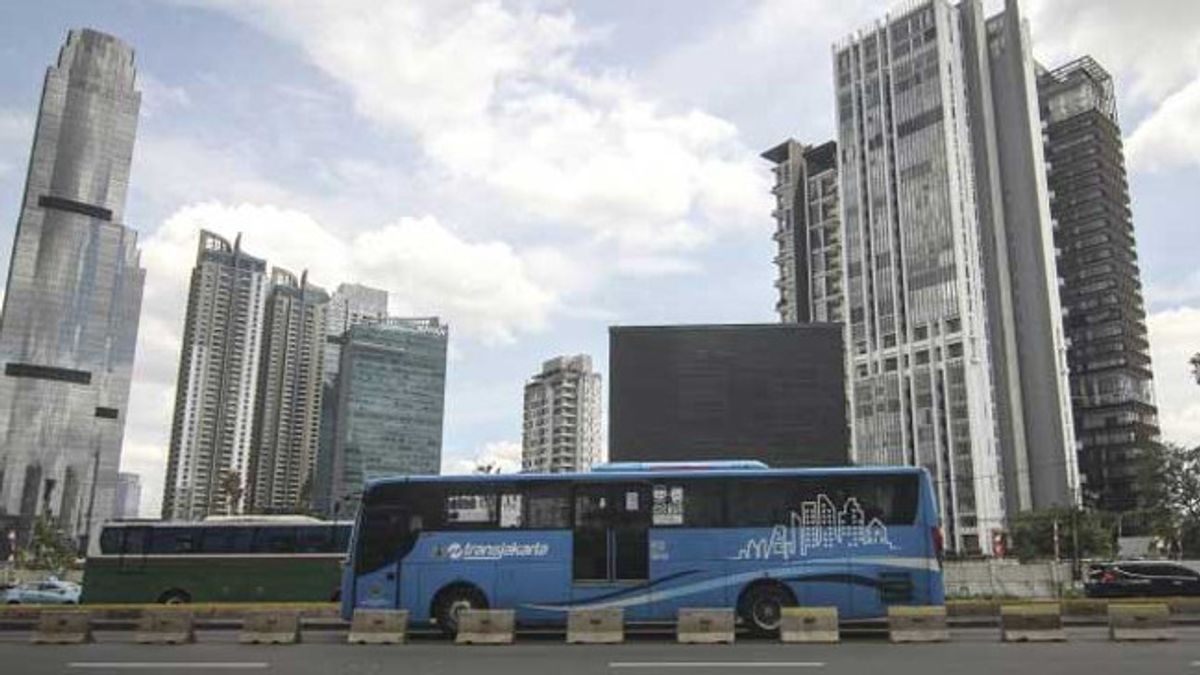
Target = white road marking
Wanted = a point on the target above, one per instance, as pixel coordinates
(170, 665)
(716, 664)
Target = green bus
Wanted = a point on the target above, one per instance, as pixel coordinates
(220, 559)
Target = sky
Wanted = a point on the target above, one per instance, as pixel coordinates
(534, 172)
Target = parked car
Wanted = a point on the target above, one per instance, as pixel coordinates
(46, 592)
(1140, 578)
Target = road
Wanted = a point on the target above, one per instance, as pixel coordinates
(973, 651)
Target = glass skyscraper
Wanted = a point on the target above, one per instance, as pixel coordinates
(68, 330)
(956, 358)
(391, 396)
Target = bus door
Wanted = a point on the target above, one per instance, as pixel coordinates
(387, 536)
(611, 542)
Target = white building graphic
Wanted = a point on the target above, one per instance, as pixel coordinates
(819, 525)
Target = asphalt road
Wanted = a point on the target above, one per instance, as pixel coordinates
(973, 652)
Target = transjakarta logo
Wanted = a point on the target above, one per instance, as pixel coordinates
(457, 551)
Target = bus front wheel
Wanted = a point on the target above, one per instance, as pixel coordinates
(761, 606)
(452, 601)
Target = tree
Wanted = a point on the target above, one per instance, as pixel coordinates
(49, 548)
(485, 467)
(231, 491)
(1195, 363)
(1169, 480)
(1033, 534)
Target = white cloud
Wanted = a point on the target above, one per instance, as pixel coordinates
(505, 455)
(159, 97)
(1174, 338)
(1170, 137)
(482, 289)
(1153, 46)
(494, 95)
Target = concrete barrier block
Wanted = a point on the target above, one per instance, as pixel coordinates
(267, 627)
(1140, 622)
(705, 626)
(378, 627)
(809, 625)
(909, 623)
(596, 626)
(63, 627)
(486, 627)
(1032, 623)
(166, 627)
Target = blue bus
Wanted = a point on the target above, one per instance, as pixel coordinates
(648, 538)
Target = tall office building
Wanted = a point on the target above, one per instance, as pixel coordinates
(562, 417)
(129, 496)
(954, 336)
(350, 305)
(73, 298)
(770, 392)
(288, 417)
(807, 232)
(1111, 382)
(216, 390)
(391, 398)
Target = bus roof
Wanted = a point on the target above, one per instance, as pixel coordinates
(617, 475)
(727, 465)
(241, 521)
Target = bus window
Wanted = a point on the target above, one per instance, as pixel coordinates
(314, 539)
(510, 510)
(341, 539)
(760, 503)
(226, 539)
(110, 540)
(170, 540)
(890, 499)
(135, 540)
(474, 510)
(548, 506)
(275, 539)
(699, 503)
(384, 537)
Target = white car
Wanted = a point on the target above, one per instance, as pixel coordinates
(46, 592)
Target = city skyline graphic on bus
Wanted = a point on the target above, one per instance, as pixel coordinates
(819, 525)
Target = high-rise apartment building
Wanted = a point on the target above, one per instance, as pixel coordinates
(216, 391)
(391, 397)
(350, 305)
(129, 496)
(562, 417)
(68, 330)
(1111, 381)
(956, 357)
(287, 421)
(807, 232)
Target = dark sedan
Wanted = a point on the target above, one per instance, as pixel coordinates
(1140, 579)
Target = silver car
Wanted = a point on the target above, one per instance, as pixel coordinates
(46, 592)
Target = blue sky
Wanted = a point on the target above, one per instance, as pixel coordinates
(536, 171)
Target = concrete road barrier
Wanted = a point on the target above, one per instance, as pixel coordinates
(63, 627)
(909, 623)
(1138, 622)
(809, 625)
(378, 627)
(166, 627)
(273, 628)
(596, 626)
(486, 627)
(705, 626)
(1031, 623)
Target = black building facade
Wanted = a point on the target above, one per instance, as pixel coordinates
(771, 392)
(1112, 391)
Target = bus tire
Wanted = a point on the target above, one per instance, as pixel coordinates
(174, 596)
(761, 604)
(453, 599)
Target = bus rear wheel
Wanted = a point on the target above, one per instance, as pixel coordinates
(761, 607)
(174, 597)
(452, 601)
